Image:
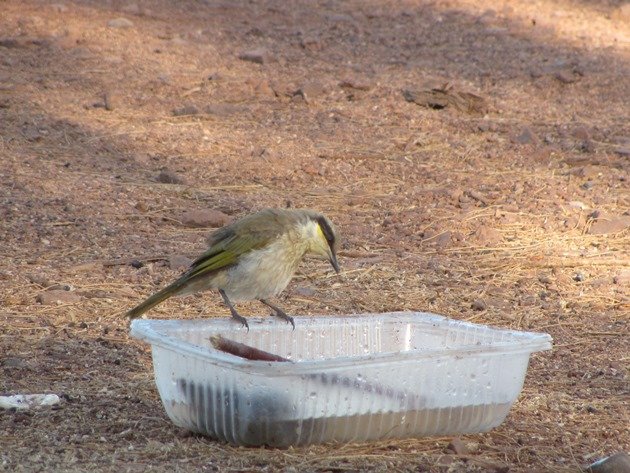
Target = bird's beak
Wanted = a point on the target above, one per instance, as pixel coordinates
(333, 260)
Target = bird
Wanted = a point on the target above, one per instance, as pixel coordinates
(254, 258)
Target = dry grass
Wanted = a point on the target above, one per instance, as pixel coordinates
(440, 210)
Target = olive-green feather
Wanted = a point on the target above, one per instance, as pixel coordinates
(227, 245)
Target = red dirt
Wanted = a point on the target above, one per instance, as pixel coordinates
(513, 213)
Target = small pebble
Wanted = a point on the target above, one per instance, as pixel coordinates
(170, 177)
(479, 305)
(120, 23)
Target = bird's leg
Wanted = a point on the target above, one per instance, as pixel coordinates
(279, 312)
(235, 314)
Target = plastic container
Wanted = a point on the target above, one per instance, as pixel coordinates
(354, 378)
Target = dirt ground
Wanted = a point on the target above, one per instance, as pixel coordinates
(122, 124)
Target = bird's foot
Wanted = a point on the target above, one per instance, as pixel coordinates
(239, 318)
(283, 315)
(278, 312)
(235, 315)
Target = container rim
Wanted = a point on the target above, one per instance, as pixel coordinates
(152, 331)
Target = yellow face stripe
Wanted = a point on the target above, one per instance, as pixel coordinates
(320, 233)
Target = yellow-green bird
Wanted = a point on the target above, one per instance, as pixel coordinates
(254, 258)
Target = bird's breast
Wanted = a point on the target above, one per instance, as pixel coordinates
(266, 272)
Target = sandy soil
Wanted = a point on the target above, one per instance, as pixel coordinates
(122, 124)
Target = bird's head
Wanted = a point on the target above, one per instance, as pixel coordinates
(322, 238)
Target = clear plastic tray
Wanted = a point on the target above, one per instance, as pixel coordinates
(354, 378)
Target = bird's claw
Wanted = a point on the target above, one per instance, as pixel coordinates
(283, 315)
(241, 319)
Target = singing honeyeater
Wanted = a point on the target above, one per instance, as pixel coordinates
(254, 258)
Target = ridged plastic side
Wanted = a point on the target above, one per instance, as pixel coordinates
(459, 378)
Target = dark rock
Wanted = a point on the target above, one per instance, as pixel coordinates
(38, 279)
(623, 150)
(526, 137)
(205, 218)
(258, 56)
(311, 43)
(443, 239)
(170, 177)
(354, 84)
(185, 110)
(566, 76)
(57, 297)
(14, 362)
(581, 133)
(479, 305)
(457, 446)
(304, 291)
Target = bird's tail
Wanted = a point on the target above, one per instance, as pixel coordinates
(158, 297)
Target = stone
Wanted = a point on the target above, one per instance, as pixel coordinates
(111, 100)
(170, 177)
(478, 304)
(581, 133)
(120, 23)
(354, 84)
(85, 267)
(38, 279)
(258, 56)
(311, 91)
(457, 446)
(566, 77)
(623, 150)
(185, 110)
(57, 297)
(304, 291)
(14, 362)
(604, 226)
(442, 240)
(526, 136)
(205, 218)
(487, 236)
(176, 262)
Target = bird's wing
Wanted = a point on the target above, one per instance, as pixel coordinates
(231, 242)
